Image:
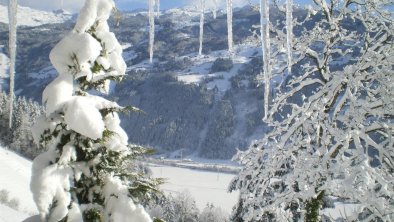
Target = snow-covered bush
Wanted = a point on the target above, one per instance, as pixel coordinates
(331, 137)
(83, 174)
(180, 207)
(213, 214)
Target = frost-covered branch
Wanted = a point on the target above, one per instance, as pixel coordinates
(331, 135)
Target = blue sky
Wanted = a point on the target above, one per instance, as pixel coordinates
(75, 5)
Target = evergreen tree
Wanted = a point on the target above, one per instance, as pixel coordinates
(83, 174)
(19, 137)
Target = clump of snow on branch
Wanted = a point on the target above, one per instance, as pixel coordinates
(119, 203)
(12, 12)
(86, 59)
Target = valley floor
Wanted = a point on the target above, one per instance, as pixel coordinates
(204, 186)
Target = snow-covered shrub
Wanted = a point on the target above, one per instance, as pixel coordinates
(331, 122)
(83, 174)
(180, 207)
(185, 208)
(213, 214)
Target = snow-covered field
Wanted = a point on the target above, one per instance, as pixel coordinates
(205, 187)
(15, 173)
(221, 80)
(8, 214)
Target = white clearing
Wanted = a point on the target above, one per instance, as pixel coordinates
(200, 70)
(205, 187)
(15, 173)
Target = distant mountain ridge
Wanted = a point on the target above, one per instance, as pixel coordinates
(33, 17)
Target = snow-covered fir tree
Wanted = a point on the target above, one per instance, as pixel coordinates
(83, 175)
(331, 123)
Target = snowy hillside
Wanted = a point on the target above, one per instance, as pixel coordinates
(197, 94)
(15, 172)
(8, 214)
(32, 17)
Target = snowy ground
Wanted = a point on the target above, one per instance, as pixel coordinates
(10, 215)
(32, 17)
(205, 187)
(15, 173)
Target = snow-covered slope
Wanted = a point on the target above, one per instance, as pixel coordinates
(15, 173)
(8, 214)
(32, 17)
